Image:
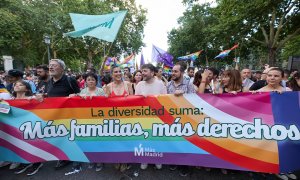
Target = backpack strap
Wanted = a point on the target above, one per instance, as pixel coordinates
(70, 84)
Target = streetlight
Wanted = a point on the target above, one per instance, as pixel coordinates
(47, 41)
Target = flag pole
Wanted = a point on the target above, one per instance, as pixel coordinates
(206, 59)
(104, 59)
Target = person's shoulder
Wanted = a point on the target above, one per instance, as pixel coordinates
(140, 84)
(127, 83)
(157, 81)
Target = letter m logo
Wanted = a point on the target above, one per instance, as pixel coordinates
(139, 151)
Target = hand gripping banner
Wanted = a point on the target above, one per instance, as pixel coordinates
(250, 132)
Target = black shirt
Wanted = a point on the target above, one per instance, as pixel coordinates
(42, 87)
(63, 87)
(257, 85)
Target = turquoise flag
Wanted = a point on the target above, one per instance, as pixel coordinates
(103, 27)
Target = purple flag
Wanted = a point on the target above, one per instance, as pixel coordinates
(142, 62)
(161, 56)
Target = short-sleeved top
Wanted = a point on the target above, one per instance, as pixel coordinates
(98, 92)
(63, 87)
(157, 87)
(186, 86)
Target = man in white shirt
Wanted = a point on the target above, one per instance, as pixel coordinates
(150, 85)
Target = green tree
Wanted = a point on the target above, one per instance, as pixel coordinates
(271, 23)
(28, 21)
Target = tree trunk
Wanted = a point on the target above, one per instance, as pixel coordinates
(272, 57)
(90, 58)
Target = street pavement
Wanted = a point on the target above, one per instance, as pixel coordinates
(47, 172)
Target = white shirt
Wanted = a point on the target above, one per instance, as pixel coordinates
(155, 88)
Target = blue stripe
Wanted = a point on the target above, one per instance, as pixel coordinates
(128, 146)
(18, 116)
(8, 155)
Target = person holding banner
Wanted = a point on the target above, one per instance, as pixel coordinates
(22, 90)
(118, 87)
(274, 78)
(232, 82)
(60, 85)
(150, 86)
(179, 86)
(91, 89)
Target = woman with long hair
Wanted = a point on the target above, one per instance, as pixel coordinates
(137, 77)
(231, 82)
(118, 87)
(197, 80)
(294, 82)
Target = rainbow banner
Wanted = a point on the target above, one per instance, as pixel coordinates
(192, 56)
(250, 132)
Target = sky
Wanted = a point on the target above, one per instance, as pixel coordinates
(162, 18)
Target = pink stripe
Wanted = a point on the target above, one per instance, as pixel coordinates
(261, 100)
(234, 106)
(36, 142)
(23, 154)
(262, 97)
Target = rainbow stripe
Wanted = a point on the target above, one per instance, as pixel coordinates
(242, 154)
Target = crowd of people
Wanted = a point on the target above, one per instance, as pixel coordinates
(53, 81)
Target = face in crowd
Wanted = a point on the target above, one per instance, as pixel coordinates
(159, 72)
(41, 73)
(257, 76)
(225, 78)
(20, 87)
(126, 70)
(176, 73)
(127, 77)
(274, 77)
(117, 74)
(147, 74)
(91, 82)
(246, 73)
(191, 73)
(138, 77)
(210, 75)
(55, 69)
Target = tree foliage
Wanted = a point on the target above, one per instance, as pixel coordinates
(26, 22)
(261, 27)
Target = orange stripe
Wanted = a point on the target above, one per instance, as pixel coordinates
(256, 143)
(252, 150)
(85, 113)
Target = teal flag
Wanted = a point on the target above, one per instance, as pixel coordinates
(103, 27)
